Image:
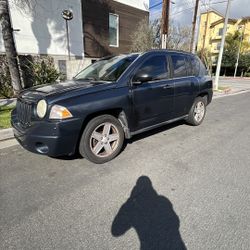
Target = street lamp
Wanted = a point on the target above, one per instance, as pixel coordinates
(67, 16)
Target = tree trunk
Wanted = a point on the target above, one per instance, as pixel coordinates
(9, 45)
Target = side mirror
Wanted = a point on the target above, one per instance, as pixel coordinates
(141, 78)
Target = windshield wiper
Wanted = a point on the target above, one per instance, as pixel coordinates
(87, 79)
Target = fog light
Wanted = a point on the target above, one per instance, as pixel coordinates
(42, 148)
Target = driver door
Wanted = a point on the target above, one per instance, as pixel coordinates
(153, 101)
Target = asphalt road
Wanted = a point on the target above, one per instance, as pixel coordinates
(177, 187)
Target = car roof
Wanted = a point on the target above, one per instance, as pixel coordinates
(169, 50)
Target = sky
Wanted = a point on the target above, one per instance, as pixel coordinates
(181, 11)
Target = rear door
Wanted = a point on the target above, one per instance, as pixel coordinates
(185, 83)
(153, 101)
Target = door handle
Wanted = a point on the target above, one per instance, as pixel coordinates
(167, 86)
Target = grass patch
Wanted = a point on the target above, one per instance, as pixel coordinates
(5, 112)
(222, 88)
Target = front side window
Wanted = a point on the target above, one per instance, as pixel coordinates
(156, 67)
(107, 69)
(113, 30)
(179, 66)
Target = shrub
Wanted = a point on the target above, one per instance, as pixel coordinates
(43, 70)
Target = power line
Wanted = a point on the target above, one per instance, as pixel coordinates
(189, 8)
(155, 5)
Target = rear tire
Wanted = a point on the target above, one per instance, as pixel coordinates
(197, 112)
(102, 139)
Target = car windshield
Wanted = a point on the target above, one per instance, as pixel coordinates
(106, 69)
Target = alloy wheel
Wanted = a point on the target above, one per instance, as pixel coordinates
(104, 140)
(199, 111)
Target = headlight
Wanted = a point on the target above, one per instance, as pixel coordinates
(59, 112)
(41, 108)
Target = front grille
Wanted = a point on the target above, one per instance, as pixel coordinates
(24, 112)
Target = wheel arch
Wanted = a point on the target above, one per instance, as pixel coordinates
(204, 94)
(118, 113)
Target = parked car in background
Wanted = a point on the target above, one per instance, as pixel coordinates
(113, 99)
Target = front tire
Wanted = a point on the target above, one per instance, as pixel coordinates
(102, 139)
(197, 112)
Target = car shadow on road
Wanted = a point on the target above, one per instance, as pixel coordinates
(152, 132)
(156, 131)
(152, 216)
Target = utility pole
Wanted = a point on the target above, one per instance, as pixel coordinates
(204, 37)
(192, 45)
(165, 23)
(9, 45)
(217, 75)
(238, 55)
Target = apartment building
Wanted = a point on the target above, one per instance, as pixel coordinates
(98, 28)
(211, 29)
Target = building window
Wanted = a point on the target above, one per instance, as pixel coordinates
(113, 30)
(220, 32)
(218, 46)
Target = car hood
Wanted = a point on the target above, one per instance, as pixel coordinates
(63, 87)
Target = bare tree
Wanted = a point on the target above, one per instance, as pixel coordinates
(179, 37)
(142, 38)
(9, 45)
(148, 36)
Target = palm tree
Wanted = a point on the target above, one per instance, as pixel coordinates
(9, 45)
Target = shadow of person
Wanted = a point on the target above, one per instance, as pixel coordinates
(152, 216)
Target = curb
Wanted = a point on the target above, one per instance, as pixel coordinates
(8, 102)
(6, 134)
(231, 94)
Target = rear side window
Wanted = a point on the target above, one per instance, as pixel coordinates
(189, 66)
(195, 66)
(179, 66)
(156, 67)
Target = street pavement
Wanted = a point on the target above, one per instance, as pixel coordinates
(173, 188)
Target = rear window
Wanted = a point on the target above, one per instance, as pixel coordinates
(179, 66)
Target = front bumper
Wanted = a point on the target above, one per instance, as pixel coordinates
(52, 138)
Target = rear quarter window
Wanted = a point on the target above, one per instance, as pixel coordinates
(203, 70)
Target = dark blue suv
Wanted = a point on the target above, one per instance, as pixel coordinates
(114, 98)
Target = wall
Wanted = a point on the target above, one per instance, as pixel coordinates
(140, 4)
(212, 17)
(96, 25)
(42, 28)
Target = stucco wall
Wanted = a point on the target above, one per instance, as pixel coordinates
(42, 28)
(139, 4)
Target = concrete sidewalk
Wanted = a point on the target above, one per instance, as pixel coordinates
(233, 86)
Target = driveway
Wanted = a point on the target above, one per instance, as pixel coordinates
(174, 188)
